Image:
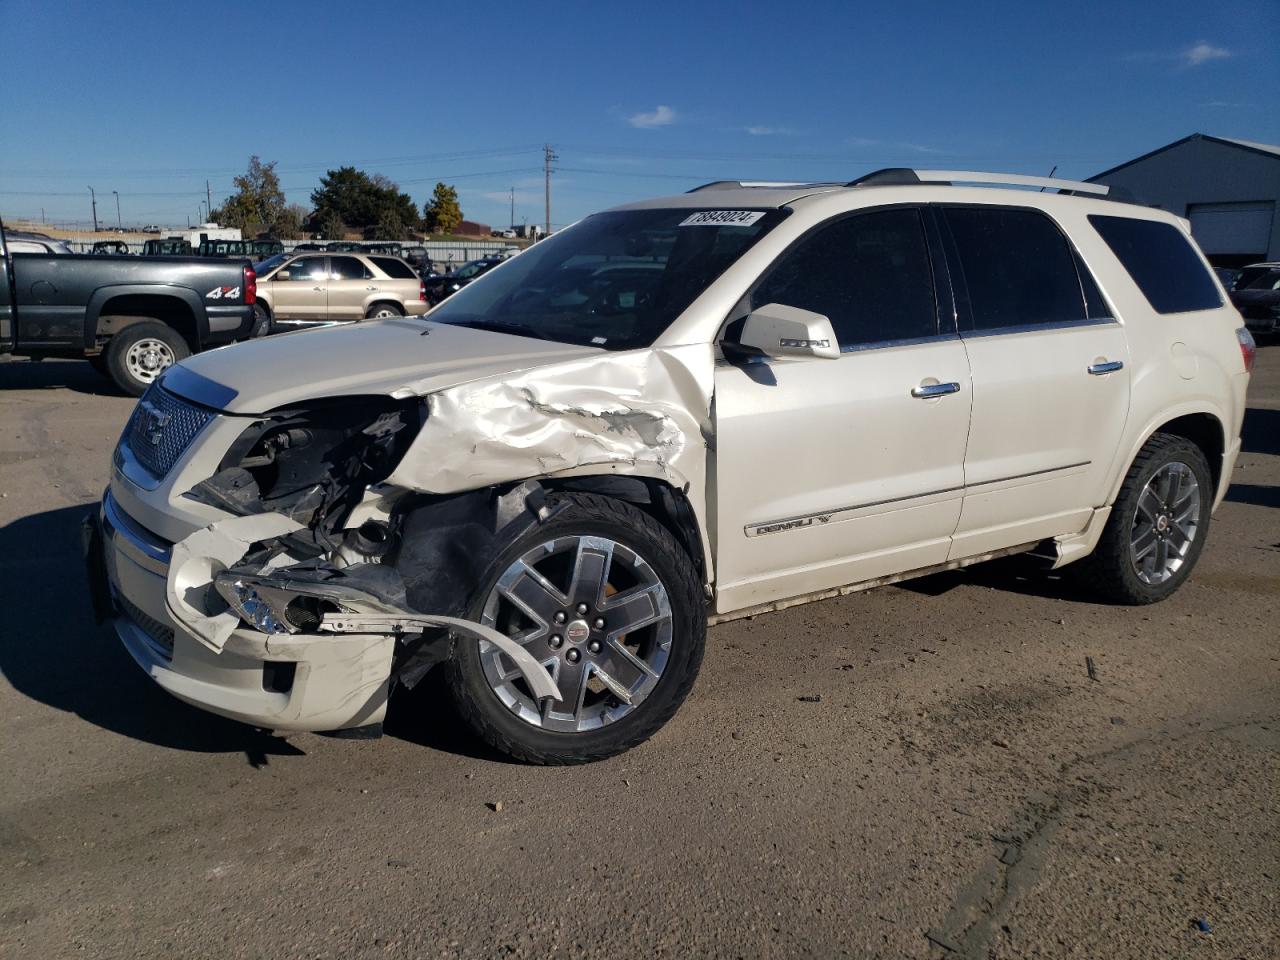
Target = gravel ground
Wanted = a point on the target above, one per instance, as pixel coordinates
(962, 788)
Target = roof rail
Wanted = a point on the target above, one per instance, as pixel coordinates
(741, 184)
(895, 176)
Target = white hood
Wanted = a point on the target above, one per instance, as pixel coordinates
(370, 357)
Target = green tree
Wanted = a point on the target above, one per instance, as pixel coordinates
(258, 200)
(330, 225)
(442, 214)
(361, 201)
(388, 227)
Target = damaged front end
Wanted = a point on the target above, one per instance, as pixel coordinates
(320, 546)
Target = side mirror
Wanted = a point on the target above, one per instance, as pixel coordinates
(777, 330)
(281, 275)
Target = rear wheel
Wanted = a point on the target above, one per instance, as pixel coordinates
(609, 603)
(138, 354)
(1157, 526)
(383, 311)
(261, 321)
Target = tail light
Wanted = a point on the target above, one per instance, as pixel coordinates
(250, 286)
(1248, 349)
(422, 291)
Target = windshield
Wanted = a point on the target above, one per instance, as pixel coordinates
(1266, 278)
(615, 280)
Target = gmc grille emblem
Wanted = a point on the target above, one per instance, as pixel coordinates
(153, 422)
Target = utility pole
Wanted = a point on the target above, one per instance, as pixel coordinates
(549, 157)
(513, 208)
(208, 199)
(93, 198)
(119, 225)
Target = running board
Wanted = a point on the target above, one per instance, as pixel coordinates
(775, 605)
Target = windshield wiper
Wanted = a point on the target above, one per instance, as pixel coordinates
(498, 326)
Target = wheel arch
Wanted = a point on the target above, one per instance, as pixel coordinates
(1201, 424)
(123, 306)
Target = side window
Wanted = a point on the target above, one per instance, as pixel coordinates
(306, 268)
(396, 269)
(1161, 261)
(869, 274)
(1017, 266)
(348, 268)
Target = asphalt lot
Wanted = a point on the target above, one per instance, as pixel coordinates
(961, 788)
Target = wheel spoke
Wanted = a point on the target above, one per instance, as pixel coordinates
(533, 593)
(615, 687)
(571, 678)
(633, 609)
(1165, 481)
(1143, 544)
(1149, 505)
(591, 567)
(1179, 536)
(625, 665)
(1161, 559)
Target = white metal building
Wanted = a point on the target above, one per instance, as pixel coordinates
(1229, 190)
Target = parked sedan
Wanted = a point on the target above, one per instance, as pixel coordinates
(320, 289)
(440, 287)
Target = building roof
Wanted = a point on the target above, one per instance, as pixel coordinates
(1266, 149)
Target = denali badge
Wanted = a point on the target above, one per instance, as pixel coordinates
(154, 421)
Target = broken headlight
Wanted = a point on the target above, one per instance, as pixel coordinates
(313, 463)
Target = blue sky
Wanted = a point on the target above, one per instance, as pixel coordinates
(638, 99)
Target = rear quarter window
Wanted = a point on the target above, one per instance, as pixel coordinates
(396, 269)
(1161, 261)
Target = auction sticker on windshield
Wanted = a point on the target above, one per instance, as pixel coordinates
(722, 218)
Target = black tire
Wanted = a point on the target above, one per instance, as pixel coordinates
(261, 321)
(386, 308)
(1111, 570)
(126, 375)
(588, 514)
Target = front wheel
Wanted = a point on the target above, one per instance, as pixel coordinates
(1157, 526)
(610, 604)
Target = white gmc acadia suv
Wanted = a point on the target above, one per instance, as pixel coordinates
(673, 413)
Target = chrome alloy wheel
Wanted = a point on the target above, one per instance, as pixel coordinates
(1165, 523)
(384, 313)
(594, 613)
(148, 358)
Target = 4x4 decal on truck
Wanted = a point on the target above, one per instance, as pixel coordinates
(221, 293)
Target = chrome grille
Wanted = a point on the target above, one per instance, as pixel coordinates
(157, 632)
(161, 428)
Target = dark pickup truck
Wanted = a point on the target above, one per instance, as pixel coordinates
(130, 318)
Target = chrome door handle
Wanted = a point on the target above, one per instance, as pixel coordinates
(927, 390)
(1110, 366)
(317, 289)
(373, 289)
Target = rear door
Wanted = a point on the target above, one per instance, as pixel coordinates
(832, 471)
(304, 294)
(1050, 378)
(351, 284)
(8, 301)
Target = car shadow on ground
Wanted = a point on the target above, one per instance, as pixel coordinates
(75, 375)
(52, 652)
(1260, 432)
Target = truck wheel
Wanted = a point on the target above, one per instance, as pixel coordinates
(1157, 526)
(383, 311)
(261, 321)
(138, 354)
(604, 597)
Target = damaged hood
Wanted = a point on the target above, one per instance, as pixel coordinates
(371, 357)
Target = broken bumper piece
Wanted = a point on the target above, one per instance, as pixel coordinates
(284, 606)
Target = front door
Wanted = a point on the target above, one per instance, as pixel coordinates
(8, 300)
(1050, 379)
(304, 295)
(828, 472)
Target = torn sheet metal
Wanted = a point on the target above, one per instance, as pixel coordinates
(198, 559)
(644, 411)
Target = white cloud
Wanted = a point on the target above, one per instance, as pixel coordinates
(660, 116)
(1202, 53)
(759, 131)
(1195, 55)
(890, 144)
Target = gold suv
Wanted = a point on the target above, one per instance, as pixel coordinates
(321, 289)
